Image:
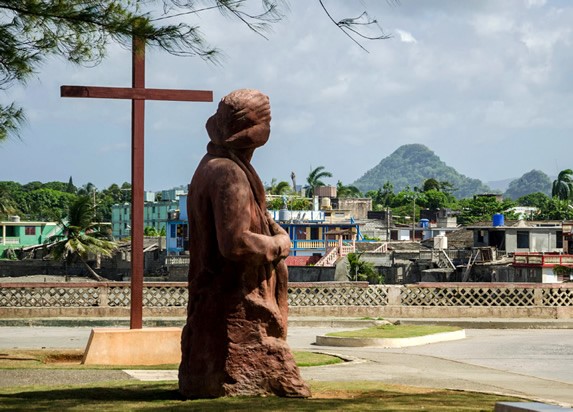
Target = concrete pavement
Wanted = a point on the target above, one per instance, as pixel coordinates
(532, 363)
(529, 363)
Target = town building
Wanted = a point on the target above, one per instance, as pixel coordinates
(538, 251)
(16, 234)
(519, 236)
(177, 233)
(155, 215)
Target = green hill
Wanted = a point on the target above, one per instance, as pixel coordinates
(410, 165)
(531, 182)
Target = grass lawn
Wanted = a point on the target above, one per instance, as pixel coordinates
(71, 359)
(327, 396)
(132, 395)
(394, 331)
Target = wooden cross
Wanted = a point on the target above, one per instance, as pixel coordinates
(137, 94)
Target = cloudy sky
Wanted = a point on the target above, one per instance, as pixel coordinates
(486, 85)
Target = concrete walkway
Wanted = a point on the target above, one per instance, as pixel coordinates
(532, 363)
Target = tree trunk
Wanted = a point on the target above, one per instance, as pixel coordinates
(92, 274)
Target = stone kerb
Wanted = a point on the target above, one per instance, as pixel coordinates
(325, 340)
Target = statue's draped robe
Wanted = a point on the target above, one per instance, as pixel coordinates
(234, 342)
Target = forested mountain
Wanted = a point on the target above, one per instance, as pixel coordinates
(531, 182)
(410, 165)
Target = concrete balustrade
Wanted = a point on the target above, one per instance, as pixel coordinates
(436, 300)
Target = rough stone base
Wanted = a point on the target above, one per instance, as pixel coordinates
(152, 346)
(260, 369)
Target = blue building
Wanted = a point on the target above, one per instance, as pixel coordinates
(177, 234)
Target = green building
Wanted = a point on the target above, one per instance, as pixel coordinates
(155, 214)
(16, 234)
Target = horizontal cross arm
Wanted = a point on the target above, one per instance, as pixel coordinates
(137, 93)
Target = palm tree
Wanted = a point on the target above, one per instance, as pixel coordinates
(563, 185)
(313, 179)
(6, 203)
(361, 270)
(81, 236)
(280, 188)
(343, 191)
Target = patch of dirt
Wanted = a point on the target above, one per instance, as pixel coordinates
(64, 358)
(333, 394)
(52, 357)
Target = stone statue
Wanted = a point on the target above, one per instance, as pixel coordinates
(234, 341)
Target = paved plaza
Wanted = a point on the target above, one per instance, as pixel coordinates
(532, 363)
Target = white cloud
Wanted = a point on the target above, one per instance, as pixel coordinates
(406, 37)
(536, 3)
(488, 73)
(492, 24)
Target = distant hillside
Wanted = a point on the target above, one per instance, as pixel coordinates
(530, 182)
(410, 165)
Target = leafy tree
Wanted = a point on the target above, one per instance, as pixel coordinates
(87, 190)
(150, 231)
(7, 206)
(81, 237)
(314, 179)
(406, 197)
(293, 203)
(108, 197)
(431, 184)
(11, 198)
(482, 208)
(361, 270)
(563, 186)
(46, 204)
(447, 187)
(71, 188)
(383, 197)
(556, 209)
(31, 186)
(59, 186)
(126, 191)
(279, 188)
(406, 204)
(434, 199)
(299, 203)
(536, 199)
(343, 191)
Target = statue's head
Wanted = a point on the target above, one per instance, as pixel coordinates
(242, 120)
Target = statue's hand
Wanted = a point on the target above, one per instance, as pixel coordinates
(283, 243)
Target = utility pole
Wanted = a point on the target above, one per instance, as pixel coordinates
(414, 217)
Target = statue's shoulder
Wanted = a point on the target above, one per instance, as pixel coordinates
(216, 164)
(214, 168)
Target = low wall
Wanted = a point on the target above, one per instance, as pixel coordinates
(311, 274)
(17, 268)
(436, 300)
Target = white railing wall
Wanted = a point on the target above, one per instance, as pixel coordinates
(319, 298)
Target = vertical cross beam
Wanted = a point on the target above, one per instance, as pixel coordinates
(137, 184)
